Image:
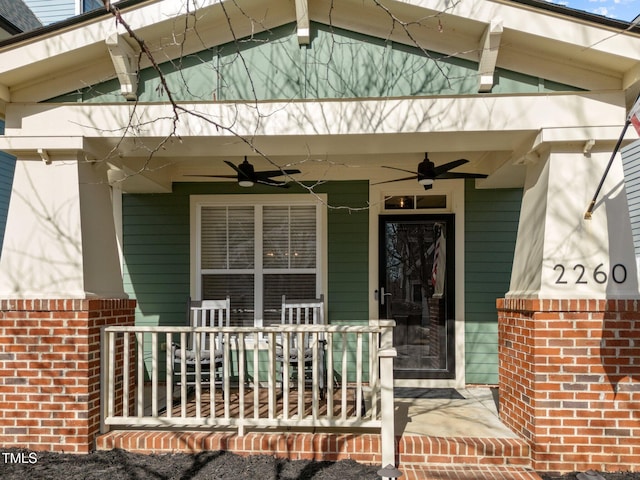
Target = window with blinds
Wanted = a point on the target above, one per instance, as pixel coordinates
(255, 254)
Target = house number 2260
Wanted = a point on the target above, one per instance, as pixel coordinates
(582, 275)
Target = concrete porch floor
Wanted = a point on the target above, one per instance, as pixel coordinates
(446, 415)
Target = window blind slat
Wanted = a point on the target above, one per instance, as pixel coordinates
(227, 242)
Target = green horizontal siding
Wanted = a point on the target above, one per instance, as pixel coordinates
(337, 64)
(491, 224)
(156, 249)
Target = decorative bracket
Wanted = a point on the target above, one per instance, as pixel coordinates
(302, 17)
(44, 156)
(125, 63)
(489, 46)
(588, 145)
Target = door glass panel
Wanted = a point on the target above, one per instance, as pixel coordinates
(416, 274)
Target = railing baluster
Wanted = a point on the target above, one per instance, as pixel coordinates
(140, 356)
(343, 408)
(111, 379)
(198, 374)
(301, 372)
(359, 375)
(241, 380)
(169, 374)
(315, 365)
(256, 376)
(126, 382)
(285, 373)
(226, 373)
(373, 373)
(154, 374)
(271, 381)
(214, 339)
(329, 380)
(183, 374)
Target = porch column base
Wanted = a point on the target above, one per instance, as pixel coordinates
(569, 374)
(50, 363)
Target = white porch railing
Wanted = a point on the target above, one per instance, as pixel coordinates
(359, 382)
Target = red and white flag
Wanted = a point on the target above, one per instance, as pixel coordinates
(634, 116)
(439, 265)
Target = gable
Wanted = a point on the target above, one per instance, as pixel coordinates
(337, 64)
(518, 38)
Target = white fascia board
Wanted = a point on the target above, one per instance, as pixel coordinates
(608, 134)
(547, 25)
(576, 74)
(407, 115)
(153, 16)
(584, 138)
(30, 145)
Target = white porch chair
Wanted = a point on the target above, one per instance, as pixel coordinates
(303, 312)
(203, 313)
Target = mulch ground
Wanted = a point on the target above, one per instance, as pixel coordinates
(18, 464)
(122, 465)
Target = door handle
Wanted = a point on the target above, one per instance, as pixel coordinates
(382, 295)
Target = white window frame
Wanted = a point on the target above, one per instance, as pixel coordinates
(197, 202)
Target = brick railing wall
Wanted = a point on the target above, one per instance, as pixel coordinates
(50, 371)
(569, 373)
(412, 450)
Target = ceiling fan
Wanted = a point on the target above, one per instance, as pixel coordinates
(428, 172)
(247, 176)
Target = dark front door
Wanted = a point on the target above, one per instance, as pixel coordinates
(417, 291)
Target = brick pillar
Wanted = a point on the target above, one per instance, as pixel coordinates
(50, 371)
(569, 373)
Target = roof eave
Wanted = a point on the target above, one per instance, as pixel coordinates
(69, 22)
(579, 14)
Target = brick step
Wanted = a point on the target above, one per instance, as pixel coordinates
(427, 450)
(468, 472)
(414, 451)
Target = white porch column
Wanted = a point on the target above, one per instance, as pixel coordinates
(60, 239)
(558, 253)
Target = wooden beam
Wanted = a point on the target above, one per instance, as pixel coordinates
(302, 17)
(489, 46)
(5, 94)
(125, 63)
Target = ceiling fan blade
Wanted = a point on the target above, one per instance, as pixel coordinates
(272, 184)
(461, 175)
(276, 173)
(213, 176)
(396, 180)
(233, 166)
(400, 169)
(450, 166)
